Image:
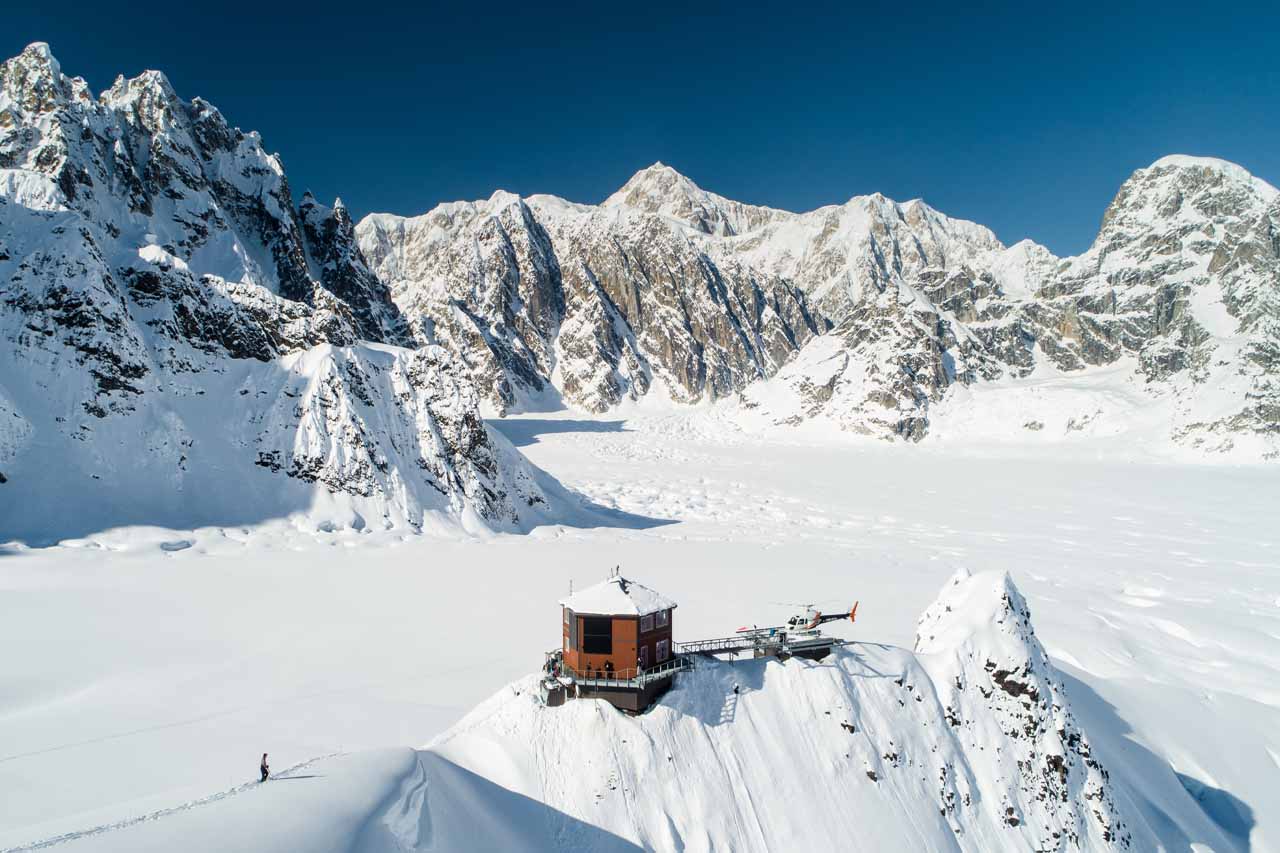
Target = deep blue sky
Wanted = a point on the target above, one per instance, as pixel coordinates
(1024, 120)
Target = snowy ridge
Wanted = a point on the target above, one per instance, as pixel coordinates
(1232, 170)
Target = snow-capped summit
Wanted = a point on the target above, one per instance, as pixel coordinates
(662, 190)
(1181, 283)
(1233, 171)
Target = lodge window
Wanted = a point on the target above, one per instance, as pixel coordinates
(646, 624)
(597, 636)
(664, 651)
(644, 657)
(664, 616)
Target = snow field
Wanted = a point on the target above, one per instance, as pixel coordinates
(149, 677)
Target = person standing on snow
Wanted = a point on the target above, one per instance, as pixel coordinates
(265, 768)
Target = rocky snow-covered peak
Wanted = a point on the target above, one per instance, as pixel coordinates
(1179, 195)
(33, 82)
(1183, 281)
(661, 189)
(1184, 275)
(337, 262)
(1232, 171)
(997, 685)
(181, 346)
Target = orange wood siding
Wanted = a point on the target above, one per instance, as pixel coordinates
(626, 640)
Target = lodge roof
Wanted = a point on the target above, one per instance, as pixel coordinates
(617, 596)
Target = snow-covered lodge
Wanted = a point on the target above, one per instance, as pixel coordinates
(616, 644)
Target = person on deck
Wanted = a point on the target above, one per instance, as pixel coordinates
(265, 768)
(608, 669)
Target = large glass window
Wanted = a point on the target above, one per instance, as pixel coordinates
(646, 624)
(664, 616)
(597, 635)
(663, 651)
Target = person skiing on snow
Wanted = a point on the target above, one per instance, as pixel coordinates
(265, 768)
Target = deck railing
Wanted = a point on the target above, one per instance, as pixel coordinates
(633, 678)
(720, 645)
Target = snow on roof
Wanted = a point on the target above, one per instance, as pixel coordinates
(617, 596)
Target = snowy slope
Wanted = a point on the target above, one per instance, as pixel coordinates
(967, 743)
(161, 675)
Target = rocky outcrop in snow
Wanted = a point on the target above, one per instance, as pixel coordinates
(997, 686)
(967, 744)
(182, 346)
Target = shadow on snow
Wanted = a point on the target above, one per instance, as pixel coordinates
(218, 496)
(1156, 792)
(523, 432)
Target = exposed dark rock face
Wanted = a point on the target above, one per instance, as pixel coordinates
(342, 271)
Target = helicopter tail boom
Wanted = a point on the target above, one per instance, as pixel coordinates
(820, 618)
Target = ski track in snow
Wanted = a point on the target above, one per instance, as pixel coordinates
(162, 813)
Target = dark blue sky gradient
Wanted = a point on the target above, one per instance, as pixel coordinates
(1023, 119)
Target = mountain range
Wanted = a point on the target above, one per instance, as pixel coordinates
(184, 343)
(865, 314)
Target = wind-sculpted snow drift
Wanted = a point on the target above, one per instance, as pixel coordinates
(969, 743)
(181, 346)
